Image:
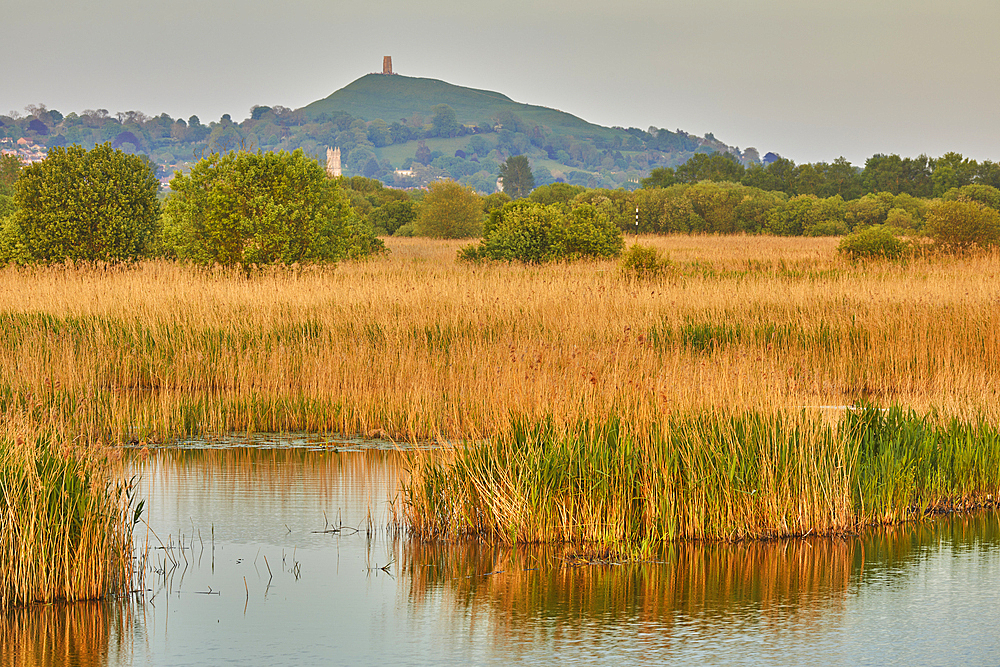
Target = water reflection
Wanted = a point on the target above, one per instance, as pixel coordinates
(287, 556)
(87, 634)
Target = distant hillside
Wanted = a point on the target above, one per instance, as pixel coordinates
(404, 131)
(398, 98)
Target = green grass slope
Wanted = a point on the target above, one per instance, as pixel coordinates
(396, 97)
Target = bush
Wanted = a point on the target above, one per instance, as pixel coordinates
(525, 231)
(901, 219)
(963, 225)
(405, 231)
(449, 211)
(876, 242)
(248, 209)
(495, 201)
(93, 206)
(389, 217)
(986, 195)
(643, 261)
(10, 169)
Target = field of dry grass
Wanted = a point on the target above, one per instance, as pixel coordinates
(420, 347)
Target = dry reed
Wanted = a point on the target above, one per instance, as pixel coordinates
(416, 346)
(419, 346)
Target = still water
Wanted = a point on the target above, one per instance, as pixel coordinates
(281, 552)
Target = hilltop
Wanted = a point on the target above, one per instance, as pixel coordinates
(405, 131)
(397, 98)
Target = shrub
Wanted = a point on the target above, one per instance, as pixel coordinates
(405, 231)
(986, 195)
(80, 205)
(876, 242)
(643, 261)
(248, 209)
(528, 232)
(962, 225)
(495, 201)
(449, 211)
(826, 228)
(10, 169)
(389, 217)
(901, 219)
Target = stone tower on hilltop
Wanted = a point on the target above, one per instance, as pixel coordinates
(333, 162)
(386, 64)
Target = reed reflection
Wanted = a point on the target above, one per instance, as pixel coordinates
(801, 585)
(82, 634)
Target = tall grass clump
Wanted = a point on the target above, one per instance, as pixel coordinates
(706, 476)
(65, 528)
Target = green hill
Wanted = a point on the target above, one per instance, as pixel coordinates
(397, 98)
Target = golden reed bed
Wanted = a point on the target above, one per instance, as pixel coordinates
(419, 346)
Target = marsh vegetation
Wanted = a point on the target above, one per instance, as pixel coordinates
(739, 349)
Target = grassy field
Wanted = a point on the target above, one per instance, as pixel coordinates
(415, 346)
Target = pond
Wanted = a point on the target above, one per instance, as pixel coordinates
(285, 551)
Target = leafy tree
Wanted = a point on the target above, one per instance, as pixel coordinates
(94, 206)
(516, 176)
(984, 194)
(248, 209)
(714, 167)
(379, 133)
(775, 175)
(444, 122)
(479, 146)
(661, 177)
(10, 169)
(449, 211)
(842, 179)
(423, 154)
(392, 215)
(872, 209)
(951, 170)
(495, 201)
(555, 193)
(525, 231)
(962, 225)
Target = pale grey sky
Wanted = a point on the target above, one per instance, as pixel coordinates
(809, 80)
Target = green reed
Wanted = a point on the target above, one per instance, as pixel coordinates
(709, 475)
(65, 530)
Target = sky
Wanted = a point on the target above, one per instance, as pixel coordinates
(809, 80)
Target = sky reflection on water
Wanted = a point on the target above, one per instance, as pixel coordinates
(295, 578)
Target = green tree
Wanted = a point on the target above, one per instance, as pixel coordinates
(94, 206)
(714, 167)
(951, 170)
(525, 231)
(389, 217)
(449, 211)
(984, 194)
(516, 176)
(661, 177)
(555, 193)
(444, 122)
(10, 169)
(247, 209)
(962, 225)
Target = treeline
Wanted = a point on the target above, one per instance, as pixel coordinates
(918, 177)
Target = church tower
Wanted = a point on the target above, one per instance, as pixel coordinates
(333, 162)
